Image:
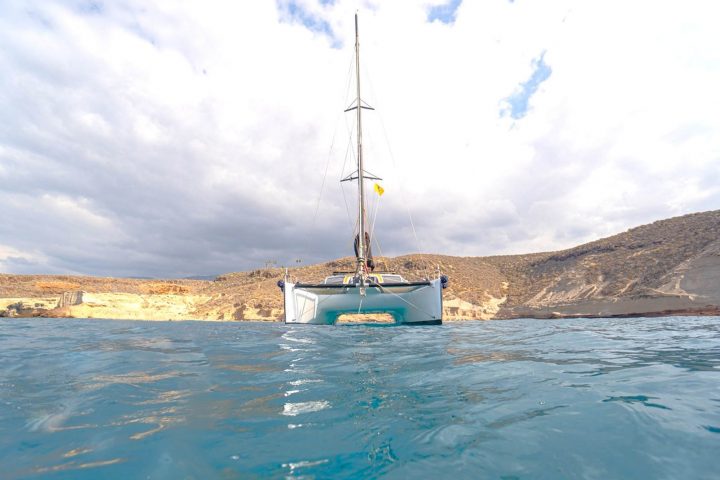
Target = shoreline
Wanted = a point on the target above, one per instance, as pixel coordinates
(62, 314)
(670, 267)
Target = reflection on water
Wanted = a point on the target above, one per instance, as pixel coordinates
(293, 409)
(641, 399)
(132, 378)
(169, 396)
(472, 356)
(298, 369)
(76, 466)
(513, 399)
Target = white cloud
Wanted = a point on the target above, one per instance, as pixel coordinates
(192, 138)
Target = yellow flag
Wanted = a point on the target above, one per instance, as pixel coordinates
(380, 190)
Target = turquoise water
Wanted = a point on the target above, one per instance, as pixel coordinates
(596, 399)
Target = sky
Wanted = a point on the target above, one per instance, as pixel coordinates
(171, 139)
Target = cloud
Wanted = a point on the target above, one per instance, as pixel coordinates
(154, 139)
(517, 103)
(309, 14)
(445, 13)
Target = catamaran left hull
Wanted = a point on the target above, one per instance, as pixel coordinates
(409, 304)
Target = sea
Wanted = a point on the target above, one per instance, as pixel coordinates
(514, 399)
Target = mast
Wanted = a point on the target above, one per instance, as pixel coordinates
(362, 248)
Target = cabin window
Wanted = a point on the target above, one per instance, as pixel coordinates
(393, 278)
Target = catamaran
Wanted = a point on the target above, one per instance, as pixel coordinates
(363, 291)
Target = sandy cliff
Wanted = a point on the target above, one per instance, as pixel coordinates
(668, 267)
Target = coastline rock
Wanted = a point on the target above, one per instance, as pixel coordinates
(70, 298)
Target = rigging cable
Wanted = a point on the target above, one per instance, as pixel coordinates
(385, 290)
(373, 236)
(332, 145)
(342, 174)
(399, 174)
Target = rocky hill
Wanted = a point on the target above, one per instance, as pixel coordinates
(668, 267)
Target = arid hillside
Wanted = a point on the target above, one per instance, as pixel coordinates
(668, 267)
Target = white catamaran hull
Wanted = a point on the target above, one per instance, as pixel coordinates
(418, 303)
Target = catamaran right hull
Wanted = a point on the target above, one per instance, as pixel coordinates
(413, 303)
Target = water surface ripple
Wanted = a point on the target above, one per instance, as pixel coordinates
(595, 399)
